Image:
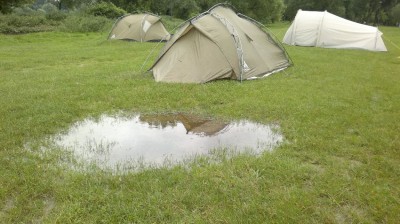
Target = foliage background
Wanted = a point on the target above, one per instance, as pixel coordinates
(374, 12)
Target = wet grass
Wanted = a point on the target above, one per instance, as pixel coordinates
(338, 110)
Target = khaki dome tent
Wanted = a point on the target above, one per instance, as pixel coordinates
(139, 27)
(323, 29)
(219, 44)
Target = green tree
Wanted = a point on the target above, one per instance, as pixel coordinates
(371, 11)
(134, 6)
(337, 7)
(266, 11)
(159, 7)
(387, 7)
(261, 10)
(363, 11)
(7, 5)
(292, 6)
(106, 9)
(72, 4)
(204, 5)
(395, 15)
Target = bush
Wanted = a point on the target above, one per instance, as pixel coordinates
(88, 23)
(47, 17)
(24, 11)
(52, 12)
(56, 16)
(15, 24)
(49, 8)
(106, 9)
(171, 23)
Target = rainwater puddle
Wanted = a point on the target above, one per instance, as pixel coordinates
(154, 140)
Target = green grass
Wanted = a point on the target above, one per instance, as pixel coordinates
(338, 110)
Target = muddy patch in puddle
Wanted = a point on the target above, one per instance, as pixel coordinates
(156, 140)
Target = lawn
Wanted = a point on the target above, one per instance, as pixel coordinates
(338, 110)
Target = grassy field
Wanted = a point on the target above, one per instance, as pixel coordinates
(339, 112)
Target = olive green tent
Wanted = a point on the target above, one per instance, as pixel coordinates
(139, 27)
(219, 44)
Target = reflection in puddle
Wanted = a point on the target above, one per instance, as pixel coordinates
(153, 139)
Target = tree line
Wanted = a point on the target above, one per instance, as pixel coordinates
(376, 12)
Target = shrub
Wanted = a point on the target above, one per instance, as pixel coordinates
(88, 23)
(48, 18)
(15, 24)
(52, 12)
(171, 23)
(25, 11)
(49, 8)
(56, 16)
(106, 9)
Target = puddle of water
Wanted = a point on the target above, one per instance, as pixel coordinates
(152, 140)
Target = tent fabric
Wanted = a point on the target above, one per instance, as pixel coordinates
(139, 27)
(323, 29)
(218, 44)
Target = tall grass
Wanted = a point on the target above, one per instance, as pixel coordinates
(338, 110)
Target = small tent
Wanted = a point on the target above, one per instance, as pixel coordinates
(219, 44)
(323, 29)
(139, 27)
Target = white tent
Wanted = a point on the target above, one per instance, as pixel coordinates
(323, 29)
